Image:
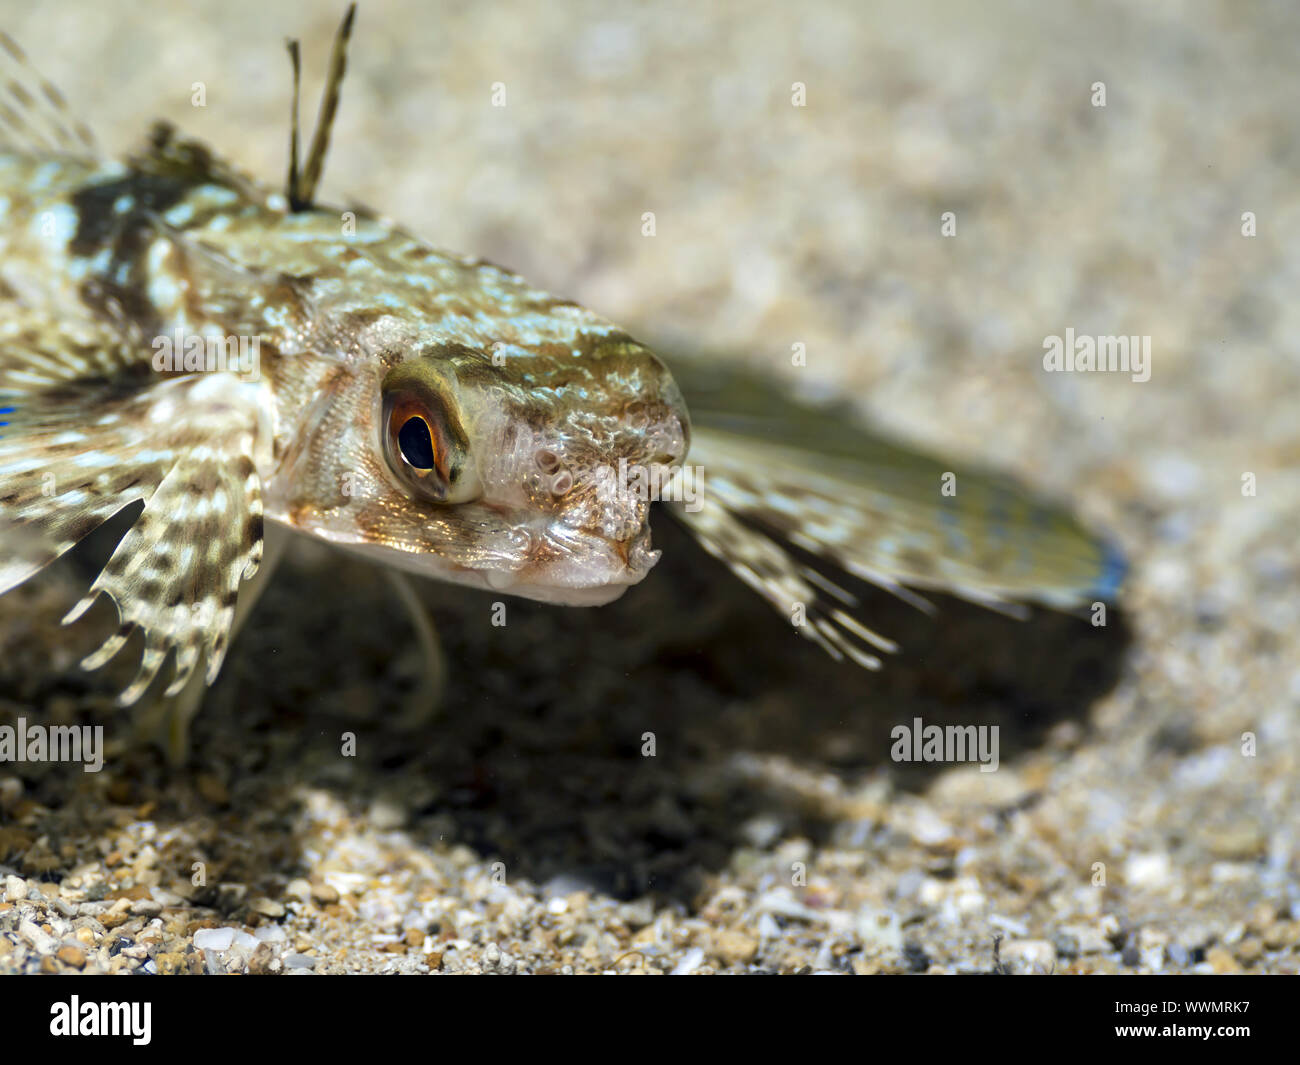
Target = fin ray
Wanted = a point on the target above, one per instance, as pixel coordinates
(34, 114)
(786, 480)
(75, 455)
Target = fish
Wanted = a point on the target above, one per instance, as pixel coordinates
(245, 368)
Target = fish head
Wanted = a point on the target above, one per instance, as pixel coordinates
(518, 459)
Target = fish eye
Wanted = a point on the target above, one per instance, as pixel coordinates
(416, 443)
(423, 444)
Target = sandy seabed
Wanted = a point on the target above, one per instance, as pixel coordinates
(1144, 813)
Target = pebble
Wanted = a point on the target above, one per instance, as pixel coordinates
(1008, 925)
(915, 957)
(929, 829)
(637, 914)
(386, 814)
(1066, 943)
(1250, 950)
(735, 948)
(761, 832)
(268, 907)
(1283, 934)
(214, 938)
(299, 962)
(1244, 841)
(71, 955)
(1147, 871)
(324, 894)
(15, 889)
(1151, 944)
(1233, 872)
(689, 963)
(1028, 955)
(879, 930)
(1195, 937)
(781, 904)
(42, 942)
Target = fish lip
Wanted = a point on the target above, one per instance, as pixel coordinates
(622, 561)
(573, 567)
(560, 595)
(565, 583)
(550, 562)
(513, 582)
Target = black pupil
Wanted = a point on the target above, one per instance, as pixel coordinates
(416, 443)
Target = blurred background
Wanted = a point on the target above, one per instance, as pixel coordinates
(779, 225)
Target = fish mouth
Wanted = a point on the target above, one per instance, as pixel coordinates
(573, 567)
(544, 560)
(556, 595)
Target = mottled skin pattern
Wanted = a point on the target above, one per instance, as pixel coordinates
(548, 392)
(521, 407)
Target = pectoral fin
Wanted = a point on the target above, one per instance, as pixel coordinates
(76, 453)
(795, 496)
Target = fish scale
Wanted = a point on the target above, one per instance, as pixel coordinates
(432, 412)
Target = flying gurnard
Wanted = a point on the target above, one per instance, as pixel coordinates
(433, 413)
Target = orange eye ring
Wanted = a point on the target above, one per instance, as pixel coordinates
(417, 446)
(425, 448)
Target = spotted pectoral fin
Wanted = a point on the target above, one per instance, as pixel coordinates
(820, 610)
(34, 115)
(72, 457)
(792, 519)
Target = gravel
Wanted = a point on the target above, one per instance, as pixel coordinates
(1144, 817)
